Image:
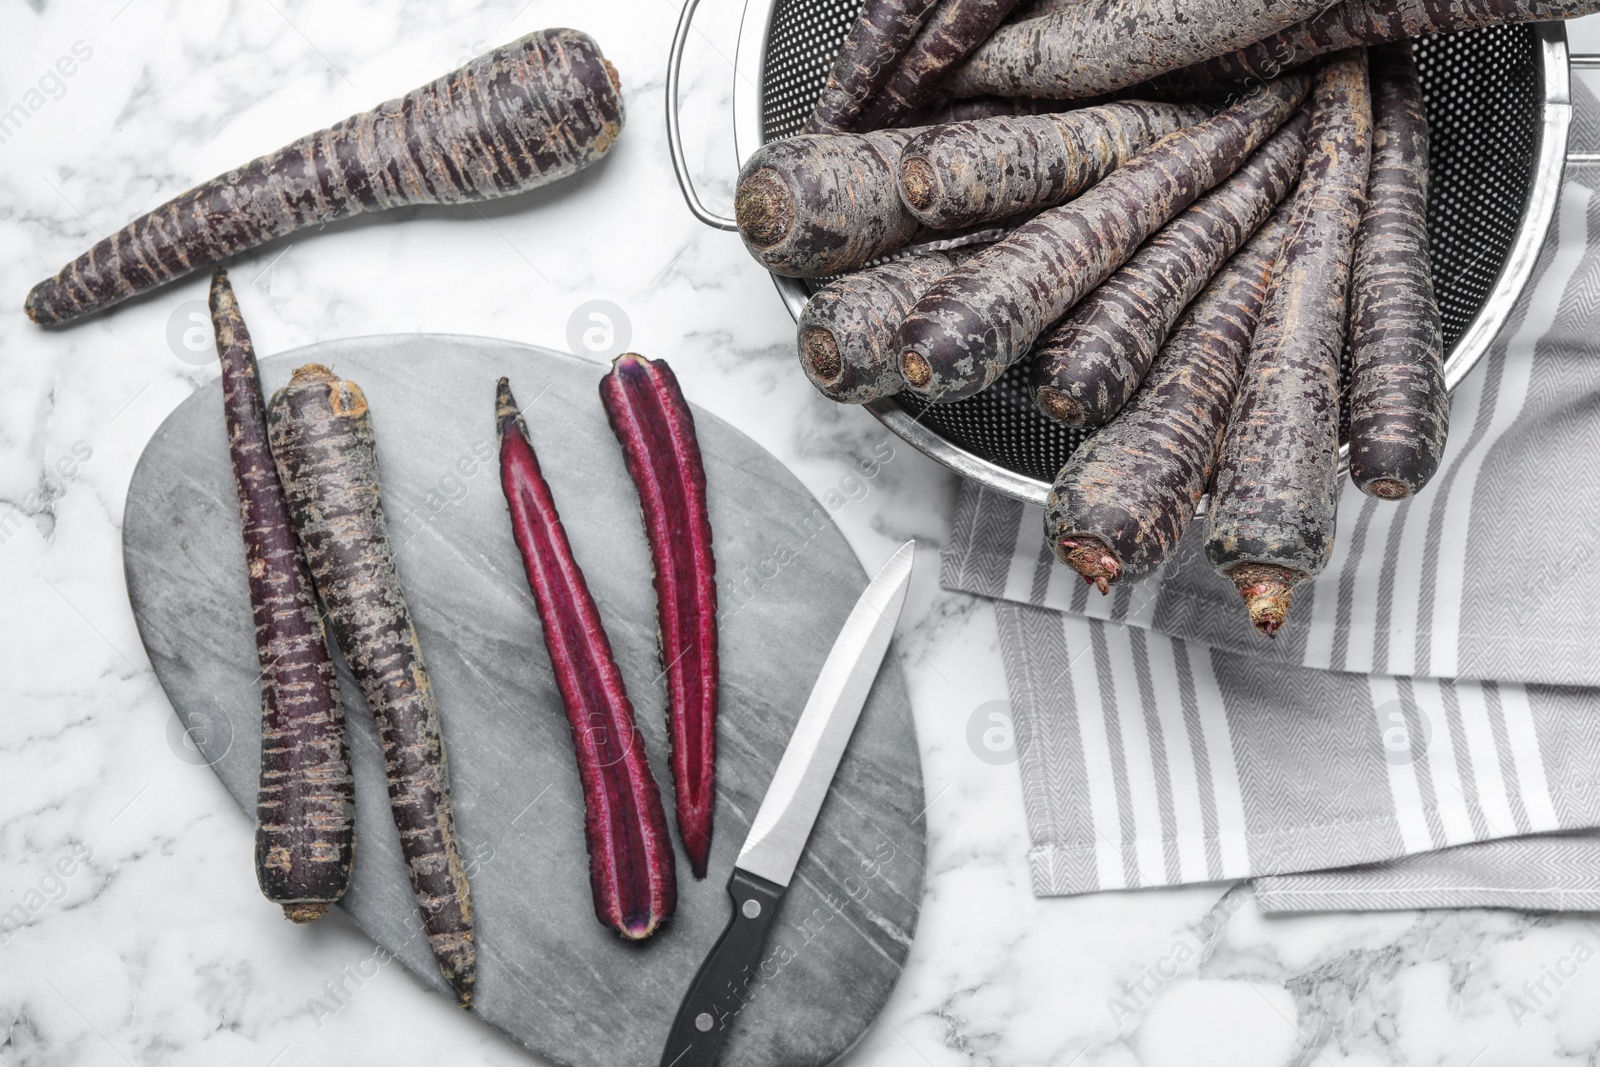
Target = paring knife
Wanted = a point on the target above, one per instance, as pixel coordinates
(783, 823)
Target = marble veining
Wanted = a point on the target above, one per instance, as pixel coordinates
(156, 950)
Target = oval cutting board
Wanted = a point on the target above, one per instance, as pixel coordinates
(550, 976)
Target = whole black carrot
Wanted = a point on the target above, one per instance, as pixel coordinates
(631, 870)
(847, 331)
(322, 440)
(1399, 407)
(1125, 498)
(987, 313)
(969, 173)
(1271, 522)
(1096, 47)
(655, 427)
(952, 30)
(518, 117)
(1089, 365)
(881, 34)
(819, 204)
(305, 804)
(1352, 23)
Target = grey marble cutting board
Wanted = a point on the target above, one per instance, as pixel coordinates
(550, 975)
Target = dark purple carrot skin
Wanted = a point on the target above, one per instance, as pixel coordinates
(970, 173)
(941, 111)
(1099, 46)
(1087, 367)
(655, 427)
(1123, 501)
(305, 804)
(1271, 521)
(821, 204)
(952, 30)
(986, 314)
(1353, 23)
(322, 440)
(847, 331)
(632, 874)
(881, 34)
(1399, 407)
(513, 119)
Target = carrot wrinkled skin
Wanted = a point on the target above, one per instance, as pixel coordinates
(305, 803)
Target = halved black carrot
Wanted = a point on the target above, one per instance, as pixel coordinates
(1096, 47)
(305, 803)
(1271, 521)
(631, 870)
(1399, 407)
(881, 34)
(655, 427)
(987, 313)
(952, 30)
(1123, 501)
(847, 331)
(1091, 363)
(968, 173)
(322, 441)
(1353, 23)
(518, 117)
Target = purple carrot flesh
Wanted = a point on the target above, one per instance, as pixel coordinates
(986, 314)
(655, 427)
(969, 173)
(1125, 498)
(1096, 47)
(631, 870)
(322, 440)
(881, 34)
(952, 30)
(847, 331)
(305, 804)
(819, 204)
(518, 117)
(1089, 365)
(1399, 407)
(1271, 521)
(1353, 23)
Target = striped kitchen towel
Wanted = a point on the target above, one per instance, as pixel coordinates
(1425, 734)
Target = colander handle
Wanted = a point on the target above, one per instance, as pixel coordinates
(1584, 61)
(675, 135)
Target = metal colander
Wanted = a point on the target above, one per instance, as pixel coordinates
(1499, 104)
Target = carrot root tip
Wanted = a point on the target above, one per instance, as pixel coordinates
(306, 911)
(1093, 559)
(916, 370)
(764, 207)
(821, 353)
(918, 183)
(1059, 406)
(1268, 592)
(1388, 489)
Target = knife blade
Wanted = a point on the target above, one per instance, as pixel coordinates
(788, 811)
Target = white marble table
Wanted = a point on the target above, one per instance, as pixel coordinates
(130, 929)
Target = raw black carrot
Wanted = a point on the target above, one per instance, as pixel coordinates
(305, 803)
(941, 110)
(1036, 9)
(847, 331)
(1399, 407)
(1123, 501)
(987, 313)
(631, 870)
(322, 441)
(969, 173)
(1271, 522)
(1096, 47)
(518, 117)
(881, 34)
(952, 30)
(655, 427)
(1090, 364)
(820, 204)
(1352, 23)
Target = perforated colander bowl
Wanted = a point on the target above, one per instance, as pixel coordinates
(1499, 103)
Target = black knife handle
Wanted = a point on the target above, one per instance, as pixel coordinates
(728, 977)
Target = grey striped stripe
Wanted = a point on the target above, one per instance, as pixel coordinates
(1158, 755)
(1202, 760)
